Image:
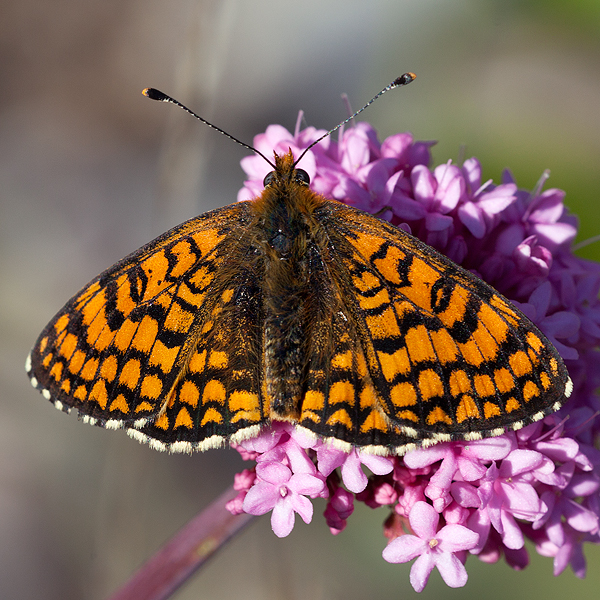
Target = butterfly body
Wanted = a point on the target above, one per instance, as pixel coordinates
(297, 308)
(284, 214)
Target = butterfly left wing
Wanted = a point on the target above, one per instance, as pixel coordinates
(154, 343)
(418, 350)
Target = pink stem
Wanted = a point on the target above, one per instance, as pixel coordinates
(186, 552)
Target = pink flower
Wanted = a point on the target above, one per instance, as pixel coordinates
(339, 507)
(242, 482)
(432, 547)
(329, 459)
(281, 491)
(506, 494)
(468, 458)
(563, 509)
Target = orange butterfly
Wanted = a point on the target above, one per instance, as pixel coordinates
(297, 308)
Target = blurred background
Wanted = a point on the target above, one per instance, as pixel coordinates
(90, 170)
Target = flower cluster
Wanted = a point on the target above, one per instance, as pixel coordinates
(454, 499)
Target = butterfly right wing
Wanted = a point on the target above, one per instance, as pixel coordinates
(418, 350)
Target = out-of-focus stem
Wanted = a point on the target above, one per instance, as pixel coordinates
(186, 552)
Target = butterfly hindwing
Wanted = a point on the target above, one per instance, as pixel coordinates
(341, 401)
(218, 396)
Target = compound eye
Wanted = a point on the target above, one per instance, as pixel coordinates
(269, 179)
(301, 176)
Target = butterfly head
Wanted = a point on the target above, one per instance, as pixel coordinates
(285, 173)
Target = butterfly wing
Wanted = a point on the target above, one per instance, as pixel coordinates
(165, 341)
(418, 349)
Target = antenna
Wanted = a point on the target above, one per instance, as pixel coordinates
(155, 94)
(398, 82)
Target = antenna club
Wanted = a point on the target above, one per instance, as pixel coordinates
(403, 79)
(155, 94)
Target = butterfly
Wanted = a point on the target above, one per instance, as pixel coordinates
(292, 307)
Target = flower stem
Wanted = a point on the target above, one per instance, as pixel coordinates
(186, 552)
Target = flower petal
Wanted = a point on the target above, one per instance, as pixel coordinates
(282, 517)
(404, 548)
(453, 572)
(420, 571)
(424, 520)
(260, 499)
(273, 472)
(454, 538)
